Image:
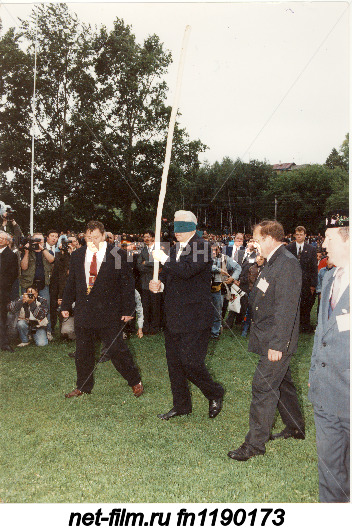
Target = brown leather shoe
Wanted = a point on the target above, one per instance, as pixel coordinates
(75, 392)
(138, 390)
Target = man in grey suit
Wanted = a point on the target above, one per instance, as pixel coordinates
(329, 375)
(274, 331)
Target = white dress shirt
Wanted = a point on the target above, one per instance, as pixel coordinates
(89, 257)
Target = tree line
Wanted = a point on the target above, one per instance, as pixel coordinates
(100, 137)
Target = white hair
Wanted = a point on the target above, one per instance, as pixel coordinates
(7, 235)
(185, 216)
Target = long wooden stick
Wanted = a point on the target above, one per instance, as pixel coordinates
(169, 147)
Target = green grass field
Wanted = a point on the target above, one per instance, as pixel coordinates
(110, 447)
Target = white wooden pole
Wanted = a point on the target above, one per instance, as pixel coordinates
(169, 147)
(31, 217)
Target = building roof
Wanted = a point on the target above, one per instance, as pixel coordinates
(283, 166)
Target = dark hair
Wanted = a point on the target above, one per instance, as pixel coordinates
(95, 224)
(271, 228)
(150, 233)
(301, 228)
(33, 288)
(52, 231)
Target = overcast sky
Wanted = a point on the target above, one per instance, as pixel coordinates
(261, 80)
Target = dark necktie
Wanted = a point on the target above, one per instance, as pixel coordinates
(93, 272)
(299, 253)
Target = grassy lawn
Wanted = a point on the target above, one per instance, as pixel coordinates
(109, 447)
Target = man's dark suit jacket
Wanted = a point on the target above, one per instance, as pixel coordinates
(8, 273)
(275, 311)
(188, 305)
(112, 295)
(308, 262)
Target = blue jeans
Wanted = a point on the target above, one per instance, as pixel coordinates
(40, 337)
(216, 299)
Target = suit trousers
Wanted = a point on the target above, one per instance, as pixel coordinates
(185, 354)
(307, 302)
(4, 340)
(151, 303)
(272, 388)
(333, 447)
(119, 353)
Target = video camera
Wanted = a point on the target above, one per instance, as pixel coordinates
(33, 243)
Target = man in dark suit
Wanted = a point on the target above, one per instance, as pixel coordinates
(274, 331)
(8, 275)
(186, 278)
(151, 302)
(329, 375)
(101, 284)
(307, 256)
(232, 251)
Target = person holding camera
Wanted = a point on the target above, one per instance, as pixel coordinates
(36, 269)
(57, 285)
(10, 226)
(32, 311)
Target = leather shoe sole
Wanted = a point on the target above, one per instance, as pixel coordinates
(75, 393)
(296, 434)
(215, 407)
(171, 414)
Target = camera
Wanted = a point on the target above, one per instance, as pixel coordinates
(10, 214)
(30, 295)
(64, 245)
(34, 243)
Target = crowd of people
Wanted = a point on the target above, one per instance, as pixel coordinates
(92, 286)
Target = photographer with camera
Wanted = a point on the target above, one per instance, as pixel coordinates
(32, 312)
(9, 224)
(57, 285)
(36, 269)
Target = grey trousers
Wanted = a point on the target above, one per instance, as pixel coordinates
(272, 388)
(333, 447)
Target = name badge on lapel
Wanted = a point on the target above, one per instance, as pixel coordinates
(263, 285)
(343, 322)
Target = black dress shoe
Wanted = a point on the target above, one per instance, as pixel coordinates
(215, 407)
(7, 348)
(286, 433)
(171, 414)
(244, 452)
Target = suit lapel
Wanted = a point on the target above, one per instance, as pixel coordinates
(343, 301)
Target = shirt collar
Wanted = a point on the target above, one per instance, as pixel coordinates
(272, 252)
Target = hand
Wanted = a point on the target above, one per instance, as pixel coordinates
(308, 385)
(312, 290)
(237, 282)
(59, 301)
(224, 272)
(154, 286)
(230, 280)
(41, 247)
(140, 333)
(159, 255)
(126, 318)
(65, 314)
(274, 355)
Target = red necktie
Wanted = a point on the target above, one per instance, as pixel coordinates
(93, 272)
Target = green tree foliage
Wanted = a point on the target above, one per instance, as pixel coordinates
(101, 120)
(304, 196)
